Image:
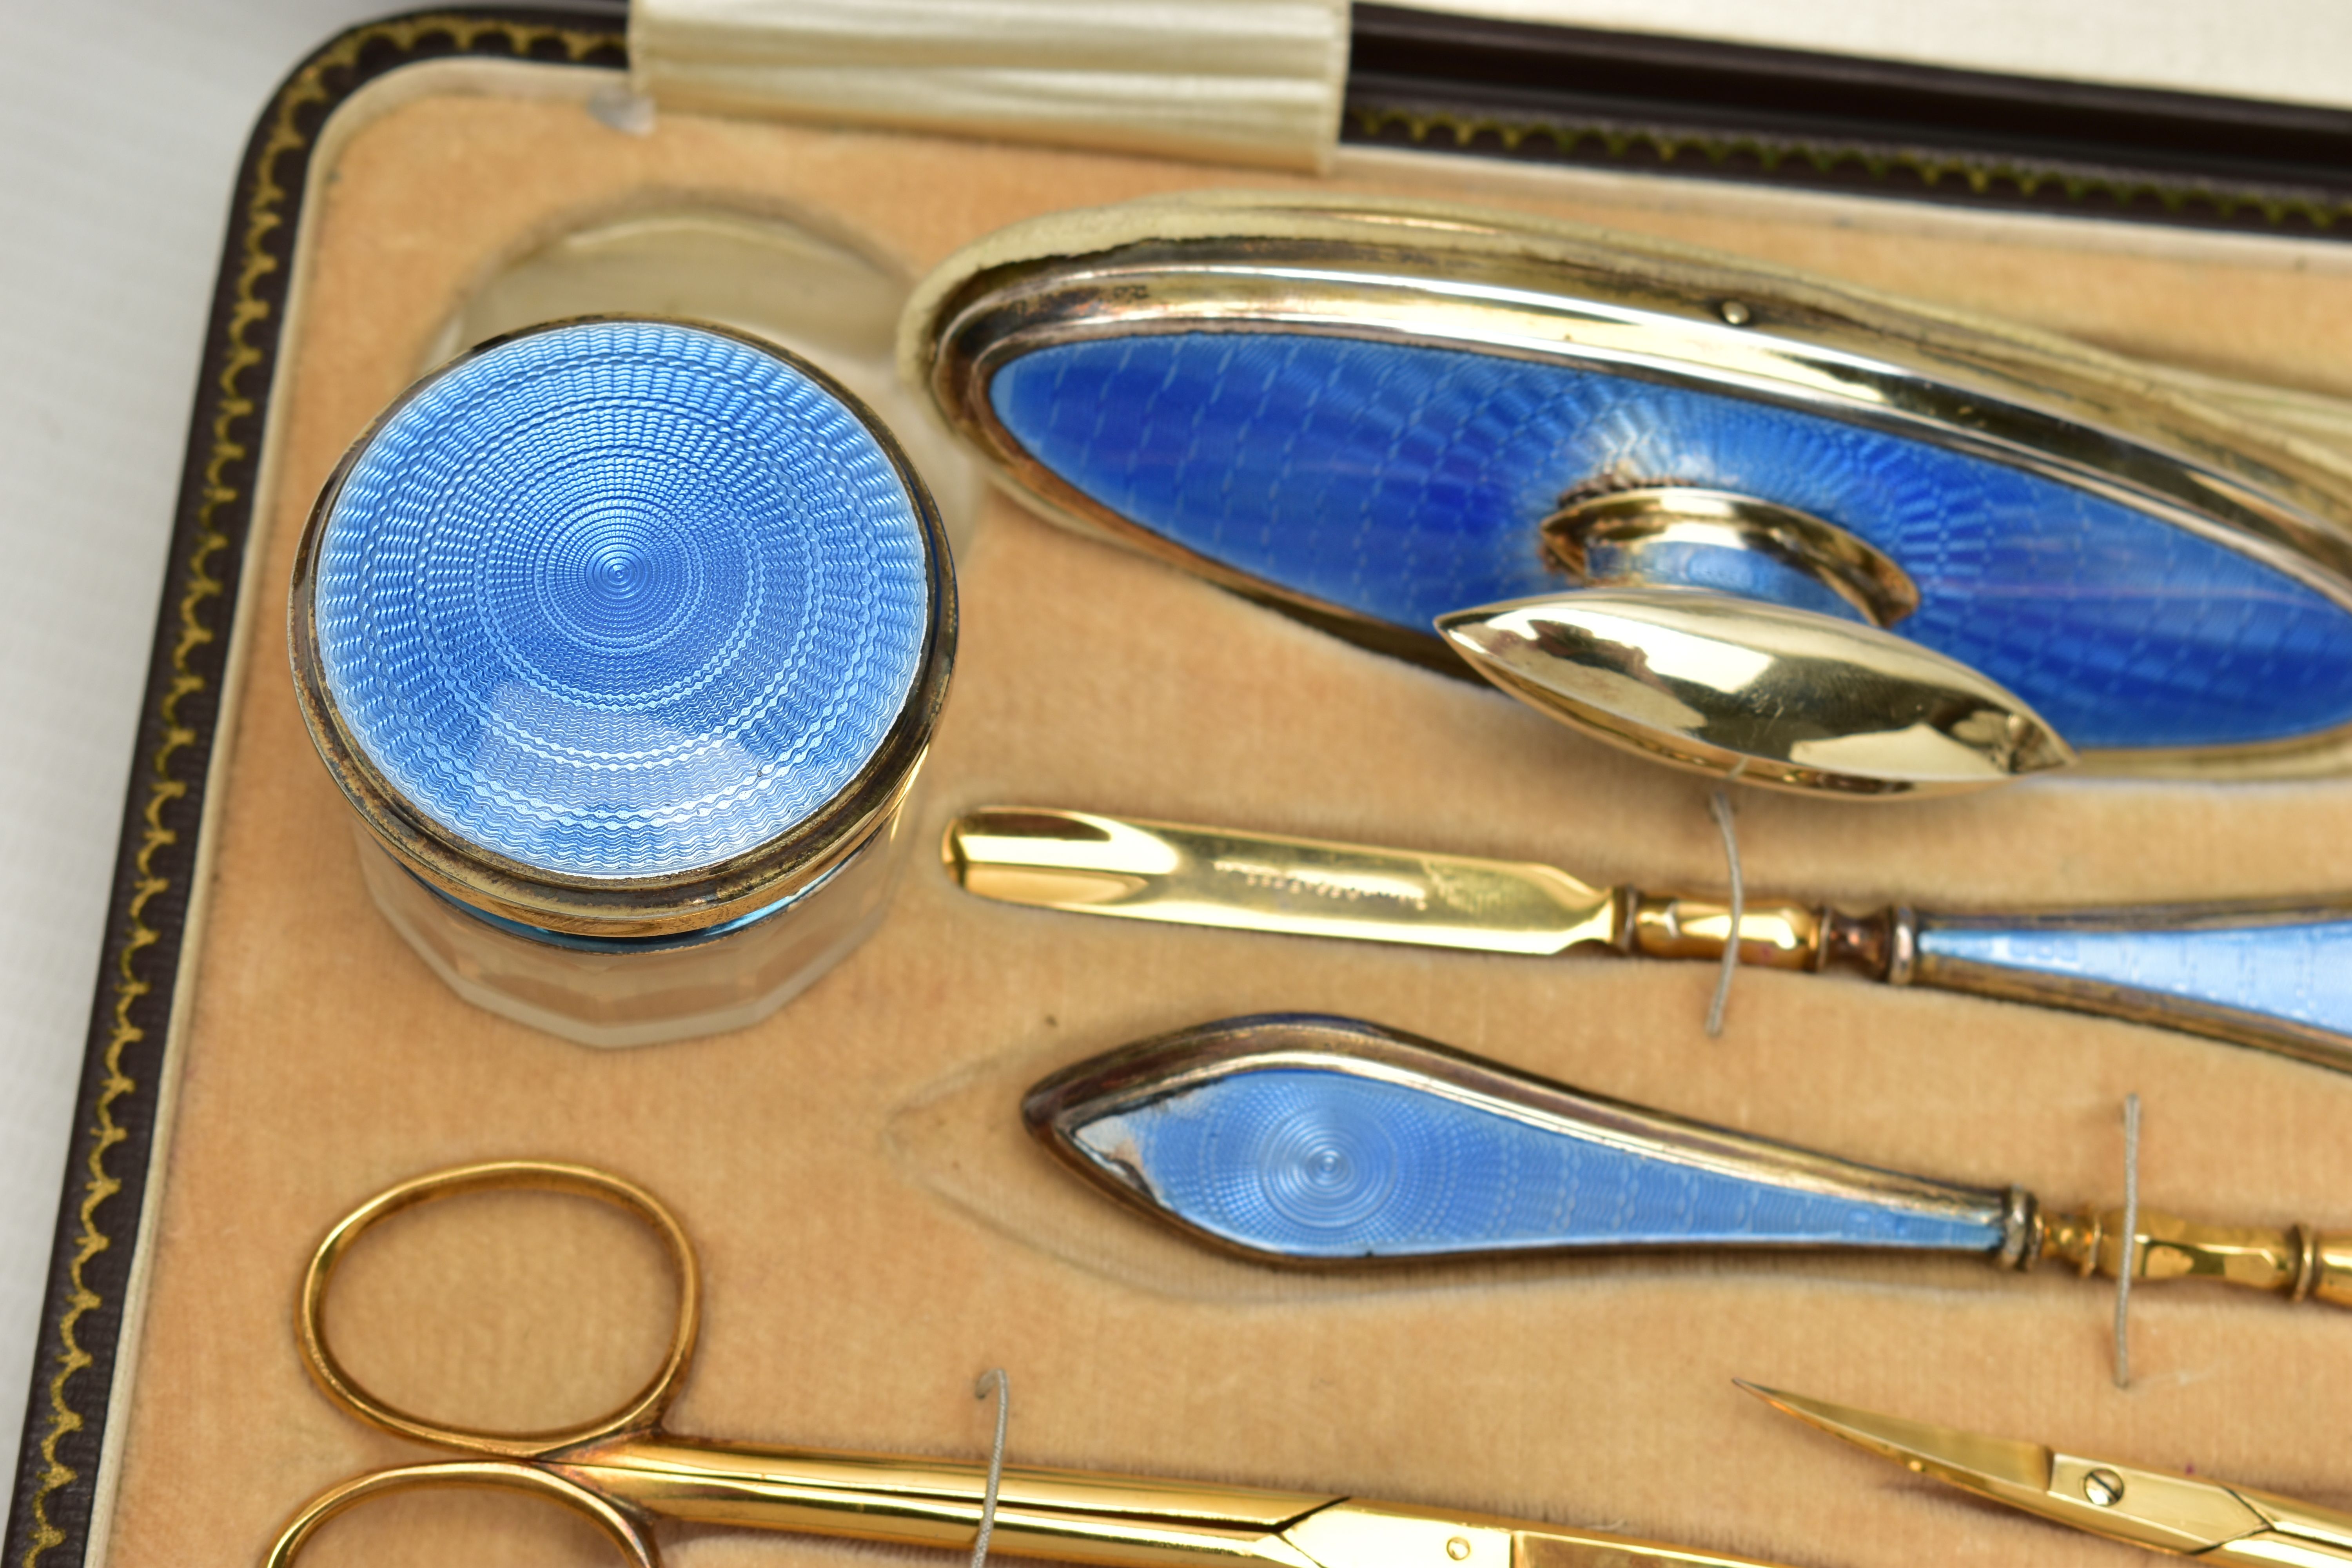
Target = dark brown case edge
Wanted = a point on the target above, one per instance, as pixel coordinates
(1461, 101)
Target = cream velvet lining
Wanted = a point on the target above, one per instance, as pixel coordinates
(875, 1227)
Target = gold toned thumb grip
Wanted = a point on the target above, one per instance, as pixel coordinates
(2296, 1261)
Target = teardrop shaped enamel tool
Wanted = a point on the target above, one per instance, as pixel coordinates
(1293, 1138)
(2188, 1515)
(2276, 975)
(1724, 514)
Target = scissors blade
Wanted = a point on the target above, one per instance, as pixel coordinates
(2155, 1509)
(1585, 1549)
(1358, 1535)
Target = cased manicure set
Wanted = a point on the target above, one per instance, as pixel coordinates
(623, 641)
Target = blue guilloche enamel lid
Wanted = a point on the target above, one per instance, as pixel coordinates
(623, 626)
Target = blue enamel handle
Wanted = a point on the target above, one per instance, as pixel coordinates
(2275, 976)
(1322, 1139)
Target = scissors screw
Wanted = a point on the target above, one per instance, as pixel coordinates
(2103, 1487)
(1733, 314)
(1458, 1548)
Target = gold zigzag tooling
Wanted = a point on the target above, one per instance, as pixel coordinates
(265, 212)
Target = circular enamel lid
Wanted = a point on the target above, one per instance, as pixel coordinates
(623, 625)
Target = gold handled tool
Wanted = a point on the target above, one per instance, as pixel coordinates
(2274, 976)
(622, 1470)
(2188, 1515)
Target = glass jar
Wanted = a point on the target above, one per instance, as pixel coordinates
(625, 640)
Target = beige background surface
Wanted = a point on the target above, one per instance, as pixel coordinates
(875, 1229)
(2241, 49)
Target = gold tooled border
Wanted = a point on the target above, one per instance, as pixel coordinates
(1702, 153)
(290, 123)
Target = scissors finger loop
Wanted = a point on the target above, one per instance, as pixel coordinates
(638, 1413)
(618, 1527)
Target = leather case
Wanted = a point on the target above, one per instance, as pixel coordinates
(874, 1227)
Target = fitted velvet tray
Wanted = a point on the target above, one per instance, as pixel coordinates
(876, 1227)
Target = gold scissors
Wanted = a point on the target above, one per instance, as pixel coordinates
(2188, 1515)
(621, 1470)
